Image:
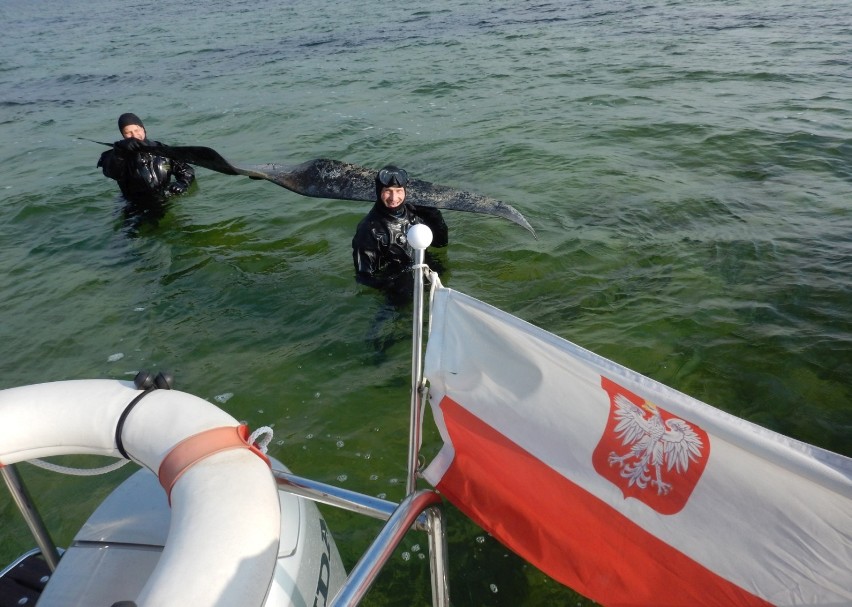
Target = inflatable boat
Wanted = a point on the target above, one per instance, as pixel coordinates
(202, 522)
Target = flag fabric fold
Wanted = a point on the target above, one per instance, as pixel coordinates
(621, 488)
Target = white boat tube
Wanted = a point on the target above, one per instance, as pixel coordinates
(226, 522)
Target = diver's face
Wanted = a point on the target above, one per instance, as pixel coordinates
(392, 197)
(133, 130)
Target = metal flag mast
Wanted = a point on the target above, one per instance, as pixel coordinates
(419, 237)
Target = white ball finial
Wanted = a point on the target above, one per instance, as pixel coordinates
(419, 236)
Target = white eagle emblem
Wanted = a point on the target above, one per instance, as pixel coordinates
(654, 443)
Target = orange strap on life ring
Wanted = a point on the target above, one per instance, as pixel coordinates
(195, 448)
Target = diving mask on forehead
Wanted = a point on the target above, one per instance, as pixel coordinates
(393, 177)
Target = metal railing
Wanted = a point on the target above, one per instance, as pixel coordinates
(31, 516)
(419, 510)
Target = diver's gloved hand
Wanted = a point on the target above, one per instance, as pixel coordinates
(428, 213)
(432, 217)
(130, 145)
(177, 188)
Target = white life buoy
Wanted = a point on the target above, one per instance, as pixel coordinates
(225, 526)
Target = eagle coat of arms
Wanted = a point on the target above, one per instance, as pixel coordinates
(650, 454)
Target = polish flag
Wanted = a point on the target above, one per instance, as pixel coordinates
(621, 488)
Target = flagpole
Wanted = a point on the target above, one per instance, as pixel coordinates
(420, 237)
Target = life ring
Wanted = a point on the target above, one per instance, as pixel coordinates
(225, 524)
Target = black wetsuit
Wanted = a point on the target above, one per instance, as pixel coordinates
(380, 247)
(144, 177)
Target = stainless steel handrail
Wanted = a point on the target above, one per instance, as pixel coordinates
(418, 511)
(365, 572)
(438, 561)
(31, 516)
(335, 496)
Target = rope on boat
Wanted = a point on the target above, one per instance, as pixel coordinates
(40, 463)
(266, 431)
(434, 282)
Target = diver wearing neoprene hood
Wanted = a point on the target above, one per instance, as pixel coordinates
(142, 176)
(380, 248)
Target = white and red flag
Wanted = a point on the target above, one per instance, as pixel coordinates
(621, 488)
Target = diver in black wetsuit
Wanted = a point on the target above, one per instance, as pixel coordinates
(143, 177)
(380, 248)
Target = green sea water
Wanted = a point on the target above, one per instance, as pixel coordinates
(686, 165)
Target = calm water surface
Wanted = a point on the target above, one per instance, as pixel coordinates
(687, 167)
